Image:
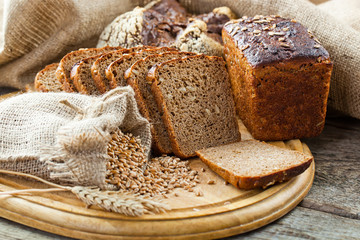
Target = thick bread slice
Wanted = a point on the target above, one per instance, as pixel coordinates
(46, 81)
(81, 76)
(136, 78)
(70, 59)
(195, 96)
(115, 71)
(100, 65)
(250, 164)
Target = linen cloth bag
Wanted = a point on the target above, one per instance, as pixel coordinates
(38, 32)
(63, 137)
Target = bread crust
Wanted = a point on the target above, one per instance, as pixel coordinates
(63, 72)
(38, 84)
(98, 71)
(246, 182)
(111, 74)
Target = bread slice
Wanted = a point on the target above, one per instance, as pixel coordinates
(251, 164)
(115, 71)
(136, 78)
(70, 59)
(100, 65)
(46, 81)
(195, 97)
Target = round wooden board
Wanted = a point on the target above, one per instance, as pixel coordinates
(222, 211)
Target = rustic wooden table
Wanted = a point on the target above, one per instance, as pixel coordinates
(331, 210)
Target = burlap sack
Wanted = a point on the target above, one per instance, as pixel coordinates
(38, 31)
(63, 137)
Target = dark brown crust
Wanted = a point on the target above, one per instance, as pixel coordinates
(64, 75)
(265, 49)
(157, 146)
(152, 79)
(260, 181)
(37, 84)
(288, 103)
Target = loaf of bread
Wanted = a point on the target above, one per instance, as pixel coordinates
(194, 96)
(70, 59)
(251, 164)
(166, 23)
(136, 78)
(280, 77)
(46, 81)
(116, 70)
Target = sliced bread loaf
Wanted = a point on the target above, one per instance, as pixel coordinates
(70, 59)
(115, 71)
(100, 65)
(195, 97)
(136, 78)
(250, 164)
(46, 81)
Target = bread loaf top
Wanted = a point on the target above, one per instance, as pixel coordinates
(269, 39)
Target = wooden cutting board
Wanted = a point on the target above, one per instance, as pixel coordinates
(222, 211)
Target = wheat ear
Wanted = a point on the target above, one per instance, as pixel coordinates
(125, 203)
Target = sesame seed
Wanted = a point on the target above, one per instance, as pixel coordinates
(282, 39)
(285, 29)
(243, 29)
(317, 46)
(256, 31)
(279, 33)
(271, 33)
(293, 21)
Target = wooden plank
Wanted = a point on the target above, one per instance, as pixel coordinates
(336, 185)
(304, 223)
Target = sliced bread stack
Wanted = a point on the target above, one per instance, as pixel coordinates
(136, 78)
(188, 102)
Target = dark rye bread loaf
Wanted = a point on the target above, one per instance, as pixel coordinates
(46, 81)
(99, 66)
(280, 77)
(136, 78)
(194, 95)
(70, 59)
(115, 71)
(251, 164)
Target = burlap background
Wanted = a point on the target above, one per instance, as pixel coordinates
(37, 32)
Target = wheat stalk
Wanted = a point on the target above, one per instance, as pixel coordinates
(119, 202)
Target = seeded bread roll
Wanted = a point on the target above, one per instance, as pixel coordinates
(46, 81)
(195, 39)
(156, 24)
(252, 164)
(166, 23)
(115, 71)
(70, 59)
(99, 66)
(194, 95)
(280, 77)
(136, 78)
